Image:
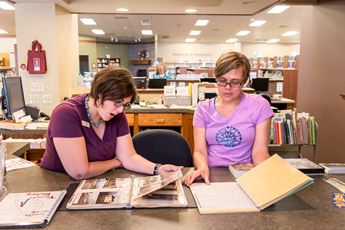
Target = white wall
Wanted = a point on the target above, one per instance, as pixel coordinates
(269, 50)
(198, 52)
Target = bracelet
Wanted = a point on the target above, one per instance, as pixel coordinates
(156, 168)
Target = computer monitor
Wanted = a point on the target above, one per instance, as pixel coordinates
(157, 83)
(208, 79)
(13, 96)
(140, 82)
(260, 84)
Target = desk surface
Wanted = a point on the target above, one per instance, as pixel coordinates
(310, 208)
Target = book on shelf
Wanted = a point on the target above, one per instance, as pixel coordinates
(260, 187)
(30, 209)
(334, 168)
(306, 166)
(111, 193)
(238, 170)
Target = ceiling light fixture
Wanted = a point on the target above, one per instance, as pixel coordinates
(190, 40)
(273, 40)
(122, 9)
(278, 9)
(257, 23)
(6, 6)
(146, 32)
(195, 32)
(231, 40)
(3, 31)
(289, 33)
(88, 21)
(97, 31)
(202, 22)
(243, 33)
(190, 11)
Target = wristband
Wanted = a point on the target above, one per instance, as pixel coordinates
(156, 168)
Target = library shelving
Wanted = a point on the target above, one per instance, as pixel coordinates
(107, 62)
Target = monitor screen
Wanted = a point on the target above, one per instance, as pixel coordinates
(13, 95)
(157, 83)
(260, 84)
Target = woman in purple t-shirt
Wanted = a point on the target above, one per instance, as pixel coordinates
(233, 127)
(89, 134)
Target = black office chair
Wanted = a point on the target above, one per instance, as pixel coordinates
(163, 146)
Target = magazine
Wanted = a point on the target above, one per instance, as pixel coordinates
(149, 192)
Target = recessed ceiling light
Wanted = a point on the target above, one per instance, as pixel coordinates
(289, 33)
(88, 21)
(146, 32)
(231, 40)
(122, 9)
(257, 23)
(190, 11)
(6, 6)
(273, 40)
(190, 40)
(278, 9)
(195, 32)
(201, 22)
(3, 31)
(243, 33)
(97, 31)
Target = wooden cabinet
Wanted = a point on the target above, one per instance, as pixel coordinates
(140, 62)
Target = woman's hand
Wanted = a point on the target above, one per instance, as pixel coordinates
(117, 163)
(192, 175)
(168, 168)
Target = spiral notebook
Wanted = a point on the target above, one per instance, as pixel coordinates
(30, 209)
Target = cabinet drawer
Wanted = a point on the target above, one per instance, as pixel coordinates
(163, 119)
(130, 119)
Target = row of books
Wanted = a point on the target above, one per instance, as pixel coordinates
(290, 127)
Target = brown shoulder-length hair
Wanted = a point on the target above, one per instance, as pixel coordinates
(232, 60)
(113, 84)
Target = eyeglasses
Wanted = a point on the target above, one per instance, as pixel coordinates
(119, 103)
(232, 83)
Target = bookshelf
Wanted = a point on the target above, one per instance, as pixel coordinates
(107, 62)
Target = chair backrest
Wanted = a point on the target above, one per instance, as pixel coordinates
(163, 146)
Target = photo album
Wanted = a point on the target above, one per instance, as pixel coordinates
(139, 192)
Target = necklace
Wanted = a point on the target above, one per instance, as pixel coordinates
(96, 124)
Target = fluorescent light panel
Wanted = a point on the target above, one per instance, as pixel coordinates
(201, 22)
(146, 32)
(243, 33)
(88, 21)
(278, 9)
(190, 40)
(97, 31)
(3, 31)
(289, 33)
(257, 23)
(194, 32)
(231, 40)
(6, 6)
(190, 11)
(273, 40)
(122, 9)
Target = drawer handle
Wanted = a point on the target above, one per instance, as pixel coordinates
(160, 121)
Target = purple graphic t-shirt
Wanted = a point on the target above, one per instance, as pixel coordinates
(230, 139)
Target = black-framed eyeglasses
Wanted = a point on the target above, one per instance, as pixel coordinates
(119, 103)
(232, 83)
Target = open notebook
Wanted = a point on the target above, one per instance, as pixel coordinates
(30, 209)
(255, 190)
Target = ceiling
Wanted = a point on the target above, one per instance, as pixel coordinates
(169, 21)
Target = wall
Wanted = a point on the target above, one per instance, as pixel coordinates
(198, 52)
(87, 46)
(321, 76)
(270, 50)
(115, 51)
(7, 46)
(134, 49)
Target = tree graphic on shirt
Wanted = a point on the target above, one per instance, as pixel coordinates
(229, 136)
